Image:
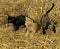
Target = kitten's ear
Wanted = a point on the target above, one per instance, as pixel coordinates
(8, 15)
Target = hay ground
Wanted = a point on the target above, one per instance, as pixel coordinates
(10, 39)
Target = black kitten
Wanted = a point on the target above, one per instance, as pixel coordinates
(17, 21)
(45, 21)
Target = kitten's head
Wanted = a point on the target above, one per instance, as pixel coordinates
(11, 19)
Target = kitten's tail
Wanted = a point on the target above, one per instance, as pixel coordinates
(50, 8)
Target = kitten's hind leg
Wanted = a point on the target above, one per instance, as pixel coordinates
(44, 32)
(16, 28)
(54, 28)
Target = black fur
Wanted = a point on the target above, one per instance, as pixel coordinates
(17, 21)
